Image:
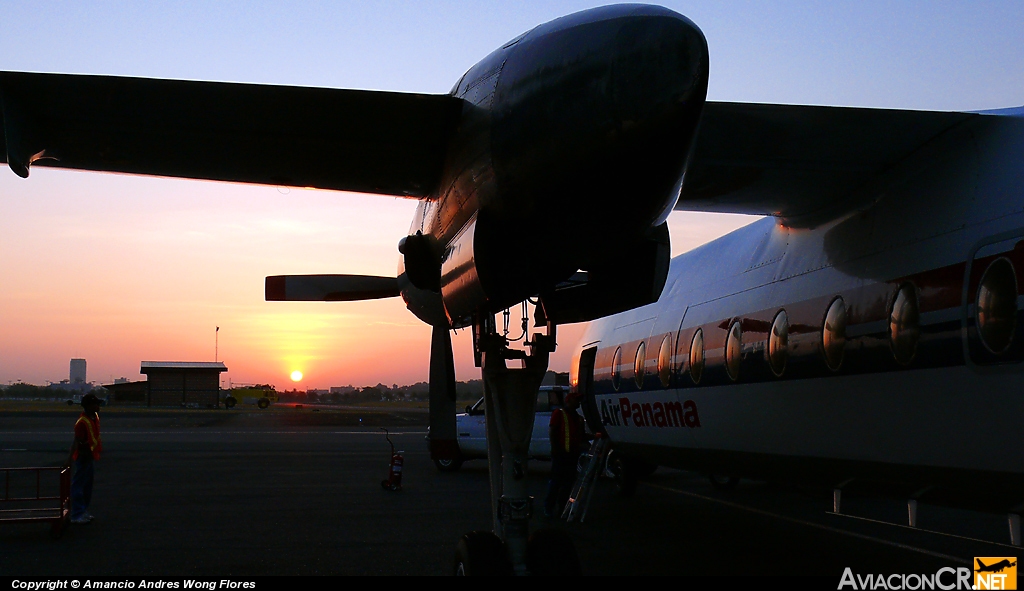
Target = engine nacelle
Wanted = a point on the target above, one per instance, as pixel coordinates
(477, 273)
(420, 261)
(488, 268)
(461, 290)
(634, 277)
(568, 155)
(423, 303)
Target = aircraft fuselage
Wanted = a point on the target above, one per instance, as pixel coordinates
(910, 393)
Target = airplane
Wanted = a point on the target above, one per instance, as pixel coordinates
(865, 336)
(599, 119)
(995, 567)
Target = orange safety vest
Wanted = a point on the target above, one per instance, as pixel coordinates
(91, 430)
(570, 434)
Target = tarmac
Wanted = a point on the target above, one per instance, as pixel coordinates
(216, 493)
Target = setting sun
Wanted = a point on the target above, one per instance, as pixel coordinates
(296, 376)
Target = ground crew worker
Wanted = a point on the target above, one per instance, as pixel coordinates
(567, 435)
(85, 450)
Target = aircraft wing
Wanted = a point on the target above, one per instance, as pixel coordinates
(801, 163)
(351, 140)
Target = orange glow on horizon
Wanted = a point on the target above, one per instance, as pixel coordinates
(92, 270)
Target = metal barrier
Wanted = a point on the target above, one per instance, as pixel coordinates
(44, 506)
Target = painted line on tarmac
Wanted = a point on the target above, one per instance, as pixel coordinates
(812, 524)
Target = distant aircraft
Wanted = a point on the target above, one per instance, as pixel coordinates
(993, 568)
(548, 172)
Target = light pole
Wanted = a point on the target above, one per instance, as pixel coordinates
(216, 344)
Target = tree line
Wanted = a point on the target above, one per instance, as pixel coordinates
(467, 391)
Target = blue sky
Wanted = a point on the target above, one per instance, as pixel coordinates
(120, 269)
(926, 55)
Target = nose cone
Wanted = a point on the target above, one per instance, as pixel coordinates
(594, 114)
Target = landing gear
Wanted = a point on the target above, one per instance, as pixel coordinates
(510, 397)
(627, 473)
(481, 553)
(625, 479)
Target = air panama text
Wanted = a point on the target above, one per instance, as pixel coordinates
(650, 414)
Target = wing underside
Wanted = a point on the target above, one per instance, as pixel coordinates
(352, 140)
(799, 162)
(795, 162)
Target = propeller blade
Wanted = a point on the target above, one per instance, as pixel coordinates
(329, 288)
(443, 442)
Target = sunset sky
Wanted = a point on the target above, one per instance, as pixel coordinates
(120, 269)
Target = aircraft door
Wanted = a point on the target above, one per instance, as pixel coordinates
(585, 387)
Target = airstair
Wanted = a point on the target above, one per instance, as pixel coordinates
(591, 465)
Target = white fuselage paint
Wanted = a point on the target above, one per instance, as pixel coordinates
(931, 212)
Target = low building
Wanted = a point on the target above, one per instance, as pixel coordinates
(183, 383)
(126, 392)
(73, 387)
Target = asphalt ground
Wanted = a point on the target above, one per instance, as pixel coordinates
(240, 493)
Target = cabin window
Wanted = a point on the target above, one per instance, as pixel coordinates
(996, 306)
(734, 350)
(833, 334)
(904, 324)
(778, 343)
(665, 361)
(638, 365)
(697, 356)
(616, 368)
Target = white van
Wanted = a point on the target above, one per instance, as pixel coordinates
(471, 427)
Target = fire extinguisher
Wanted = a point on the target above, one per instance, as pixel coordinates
(394, 481)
